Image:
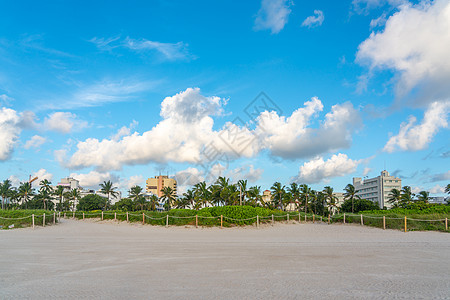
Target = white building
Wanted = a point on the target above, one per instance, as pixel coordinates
(377, 189)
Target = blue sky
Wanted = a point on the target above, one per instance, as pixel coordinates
(125, 91)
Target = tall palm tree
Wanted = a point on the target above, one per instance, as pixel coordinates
(107, 188)
(153, 201)
(5, 190)
(140, 201)
(189, 197)
(254, 194)
(74, 195)
(394, 197)
(406, 196)
(330, 197)
(135, 192)
(202, 193)
(423, 196)
(168, 196)
(45, 191)
(59, 192)
(447, 189)
(25, 191)
(242, 191)
(294, 190)
(277, 194)
(350, 194)
(305, 192)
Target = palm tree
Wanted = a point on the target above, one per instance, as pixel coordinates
(168, 196)
(447, 189)
(242, 191)
(406, 195)
(108, 189)
(394, 197)
(330, 197)
(135, 192)
(294, 190)
(25, 191)
(5, 190)
(153, 201)
(202, 193)
(75, 195)
(423, 196)
(45, 190)
(277, 194)
(60, 193)
(254, 194)
(305, 192)
(350, 194)
(189, 197)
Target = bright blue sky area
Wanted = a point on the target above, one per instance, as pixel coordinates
(90, 69)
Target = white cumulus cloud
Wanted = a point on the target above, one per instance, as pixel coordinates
(273, 15)
(41, 174)
(94, 178)
(9, 132)
(412, 136)
(318, 169)
(63, 122)
(36, 141)
(414, 43)
(315, 20)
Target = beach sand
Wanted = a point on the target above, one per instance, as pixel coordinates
(93, 259)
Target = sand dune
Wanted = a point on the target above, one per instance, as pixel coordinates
(92, 259)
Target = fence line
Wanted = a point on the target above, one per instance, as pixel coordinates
(346, 218)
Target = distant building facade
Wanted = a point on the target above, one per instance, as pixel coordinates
(267, 196)
(156, 184)
(377, 189)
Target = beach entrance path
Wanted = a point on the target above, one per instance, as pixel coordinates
(92, 259)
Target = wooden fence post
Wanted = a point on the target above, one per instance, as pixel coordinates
(196, 221)
(314, 218)
(115, 216)
(288, 217)
(272, 220)
(344, 218)
(64, 215)
(362, 221)
(143, 219)
(446, 224)
(167, 220)
(299, 219)
(257, 221)
(43, 221)
(127, 217)
(328, 218)
(102, 215)
(221, 221)
(32, 217)
(305, 218)
(73, 216)
(405, 223)
(54, 218)
(83, 215)
(384, 222)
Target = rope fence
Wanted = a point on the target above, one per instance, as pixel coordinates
(401, 223)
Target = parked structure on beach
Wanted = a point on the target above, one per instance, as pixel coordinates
(156, 184)
(377, 189)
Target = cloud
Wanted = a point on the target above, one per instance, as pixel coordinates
(5, 100)
(441, 177)
(247, 172)
(15, 181)
(273, 15)
(124, 131)
(186, 135)
(414, 44)
(292, 138)
(168, 51)
(189, 176)
(126, 184)
(41, 175)
(412, 137)
(366, 171)
(94, 178)
(63, 122)
(378, 22)
(9, 132)
(437, 189)
(314, 21)
(364, 6)
(318, 170)
(35, 142)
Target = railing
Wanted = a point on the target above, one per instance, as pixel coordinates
(30, 220)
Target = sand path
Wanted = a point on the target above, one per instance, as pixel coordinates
(92, 259)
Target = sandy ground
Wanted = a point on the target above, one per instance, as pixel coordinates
(92, 259)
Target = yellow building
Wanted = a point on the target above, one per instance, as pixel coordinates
(155, 185)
